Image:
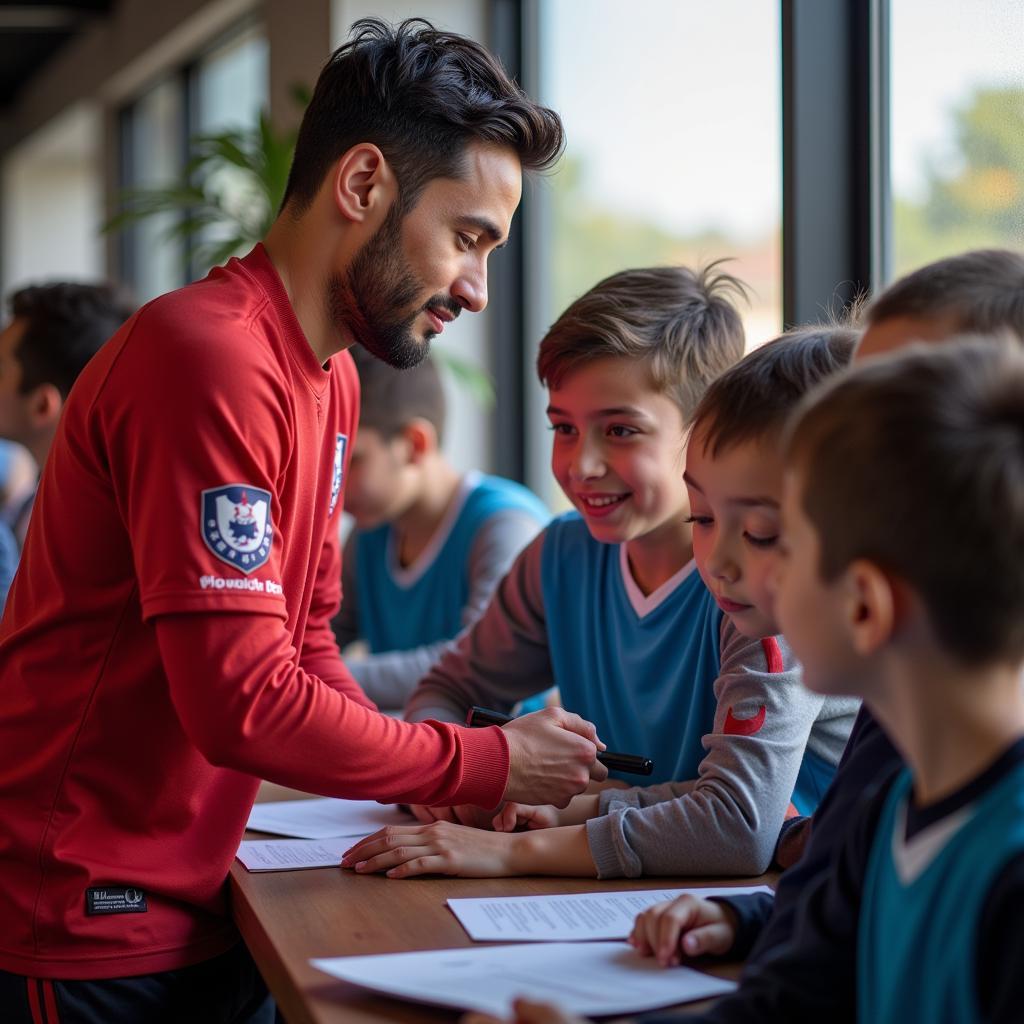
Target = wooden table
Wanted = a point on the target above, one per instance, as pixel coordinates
(287, 917)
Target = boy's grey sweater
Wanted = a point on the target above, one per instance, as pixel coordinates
(724, 822)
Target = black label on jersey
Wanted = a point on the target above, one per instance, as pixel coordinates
(115, 899)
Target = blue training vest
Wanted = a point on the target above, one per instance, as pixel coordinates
(393, 617)
(647, 684)
(917, 942)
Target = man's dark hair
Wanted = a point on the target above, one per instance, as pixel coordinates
(391, 398)
(65, 326)
(681, 323)
(915, 462)
(983, 291)
(753, 399)
(420, 95)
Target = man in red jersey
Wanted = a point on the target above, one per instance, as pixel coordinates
(167, 642)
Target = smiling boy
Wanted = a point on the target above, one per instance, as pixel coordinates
(609, 605)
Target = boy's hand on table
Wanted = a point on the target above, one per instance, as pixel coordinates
(514, 817)
(552, 757)
(440, 848)
(463, 814)
(524, 1011)
(684, 927)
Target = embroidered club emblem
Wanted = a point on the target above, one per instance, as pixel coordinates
(744, 726)
(236, 525)
(339, 464)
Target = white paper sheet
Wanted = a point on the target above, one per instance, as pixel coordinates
(563, 918)
(589, 978)
(324, 818)
(292, 854)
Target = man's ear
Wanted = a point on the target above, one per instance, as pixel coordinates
(363, 184)
(44, 406)
(421, 437)
(872, 606)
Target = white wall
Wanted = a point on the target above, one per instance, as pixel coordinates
(52, 191)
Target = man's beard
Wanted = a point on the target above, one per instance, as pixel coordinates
(377, 286)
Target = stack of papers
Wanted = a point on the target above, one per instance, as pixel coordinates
(324, 830)
(593, 978)
(569, 917)
(292, 854)
(324, 818)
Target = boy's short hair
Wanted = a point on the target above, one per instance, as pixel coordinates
(679, 321)
(66, 324)
(983, 291)
(421, 95)
(916, 462)
(391, 399)
(756, 396)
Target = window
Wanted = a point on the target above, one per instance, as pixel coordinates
(674, 140)
(957, 128)
(674, 152)
(226, 87)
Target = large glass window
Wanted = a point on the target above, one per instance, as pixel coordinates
(673, 118)
(154, 140)
(225, 88)
(674, 156)
(957, 127)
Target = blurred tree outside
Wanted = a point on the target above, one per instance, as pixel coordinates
(591, 241)
(975, 198)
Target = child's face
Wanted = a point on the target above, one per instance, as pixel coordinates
(619, 450)
(810, 612)
(734, 508)
(379, 483)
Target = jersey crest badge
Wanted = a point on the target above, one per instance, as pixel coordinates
(339, 466)
(236, 525)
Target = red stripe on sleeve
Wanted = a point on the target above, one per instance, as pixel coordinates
(772, 653)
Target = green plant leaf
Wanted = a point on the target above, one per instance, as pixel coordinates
(466, 375)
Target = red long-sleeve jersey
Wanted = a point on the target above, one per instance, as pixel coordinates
(166, 641)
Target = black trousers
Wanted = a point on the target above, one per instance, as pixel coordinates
(225, 990)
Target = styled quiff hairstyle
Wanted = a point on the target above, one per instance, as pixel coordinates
(754, 398)
(916, 463)
(983, 291)
(680, 322)
(421, 96)
(390, 399)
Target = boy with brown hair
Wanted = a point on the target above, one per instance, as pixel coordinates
(608, 605)
(430, 543)
(978, 291)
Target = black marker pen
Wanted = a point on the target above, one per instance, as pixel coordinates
(632, 763)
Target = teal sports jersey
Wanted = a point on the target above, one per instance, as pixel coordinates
(922, 903)
(647, 682)
(400, 611)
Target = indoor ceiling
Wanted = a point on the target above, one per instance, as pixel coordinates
(31, 32)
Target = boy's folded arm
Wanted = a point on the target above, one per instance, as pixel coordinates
(501, 659)
(812, 978)
(726, 821)
(752, 911)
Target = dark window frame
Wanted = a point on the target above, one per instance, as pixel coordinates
(836, 201)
